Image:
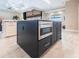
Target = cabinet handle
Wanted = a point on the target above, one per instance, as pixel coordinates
(47, 44)
(23, 28)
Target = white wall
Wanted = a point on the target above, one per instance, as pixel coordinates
(45, 16)
(54, 12)
(78, 17)
(71, 15)
(7, 15)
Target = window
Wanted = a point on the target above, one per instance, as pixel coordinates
(57, 17)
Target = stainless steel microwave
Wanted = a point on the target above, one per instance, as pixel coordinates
(45, 29)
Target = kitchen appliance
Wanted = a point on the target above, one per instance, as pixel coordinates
(34, 36)
(45, 29)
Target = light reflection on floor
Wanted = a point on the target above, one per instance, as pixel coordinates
(67, 47)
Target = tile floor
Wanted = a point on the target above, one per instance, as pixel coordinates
(67, 47)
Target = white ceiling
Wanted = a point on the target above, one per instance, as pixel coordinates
(23, 5)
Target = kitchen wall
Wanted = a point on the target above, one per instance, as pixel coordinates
(70, 11)
(71, 15)
(48, 14)
(7, 15)
(45, 15)
(78, 17)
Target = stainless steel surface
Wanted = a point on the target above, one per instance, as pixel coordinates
(43, 36)
(42, 25)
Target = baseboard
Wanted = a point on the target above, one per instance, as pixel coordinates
(10, 36)
(71, 30)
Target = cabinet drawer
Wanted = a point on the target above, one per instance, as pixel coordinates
(44, 44)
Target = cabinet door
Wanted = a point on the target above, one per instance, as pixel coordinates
(54, 32)
(59, 30)
(27, 37)
(21, 32)
(10, 28)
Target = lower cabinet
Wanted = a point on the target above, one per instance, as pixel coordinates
(44, 44)
(56, 31)
(28, 37)
(28, 40)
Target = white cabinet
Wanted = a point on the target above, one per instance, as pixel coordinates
(9, 28)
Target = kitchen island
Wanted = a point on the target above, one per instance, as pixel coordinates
(9, 28)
